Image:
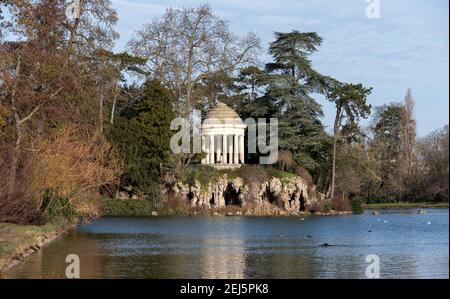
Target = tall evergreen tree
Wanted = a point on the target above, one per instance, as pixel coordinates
(291, 83)
(142, 134)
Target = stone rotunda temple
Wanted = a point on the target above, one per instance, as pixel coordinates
(222, 135)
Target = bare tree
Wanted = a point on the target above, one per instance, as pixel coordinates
(30, 70)
(407, 159)
(433, 155)
(92, 28)
(46, 72)
(188, 45)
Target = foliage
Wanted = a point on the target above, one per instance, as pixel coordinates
(433, 155)
(357, 205)
(385, 145)
(51, 148)
(284, 91)
(251, 174)
(351, 105)
(142, 135)
(291, 82)
(130, 207)
(340, 203)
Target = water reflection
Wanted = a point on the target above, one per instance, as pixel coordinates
(183, 247)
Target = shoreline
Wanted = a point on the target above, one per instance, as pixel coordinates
(407, 205)
(30, 239)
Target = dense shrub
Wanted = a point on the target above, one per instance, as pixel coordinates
(60, 179)
(131, 207)
(317, 206)
(357, 205)
(339, 203)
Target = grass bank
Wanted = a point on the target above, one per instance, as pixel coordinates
(18, 241)
(249, 173)
(400, 205)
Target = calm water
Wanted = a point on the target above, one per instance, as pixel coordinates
(409, 246)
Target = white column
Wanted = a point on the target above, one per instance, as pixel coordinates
(225, 149)
(230, 149)
(204, 149)
(241, 148)
(207, 142)
(211, 150)
(236, 149)
(219, 150)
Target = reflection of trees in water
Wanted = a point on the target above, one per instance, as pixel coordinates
(50, 262)
(331, 263)
(280, 265)
(222, 259)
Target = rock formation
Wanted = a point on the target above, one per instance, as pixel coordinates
(291, 194)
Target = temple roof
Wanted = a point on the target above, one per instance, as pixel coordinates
(223, 113)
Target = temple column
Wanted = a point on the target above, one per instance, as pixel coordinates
(204, 150)
(241, 149)
(224, 146)
(211, 150)
(236, 149)
(219, 150)
(230, 150)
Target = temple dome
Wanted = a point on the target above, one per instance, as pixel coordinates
(221, 113)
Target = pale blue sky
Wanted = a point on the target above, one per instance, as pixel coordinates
(407, 47)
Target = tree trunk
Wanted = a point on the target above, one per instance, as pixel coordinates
(72, 36)
(333, 170)
(113, 110)
(14, 161)
(335, 139)
(18, 125)
(190, 83)
(101, 108)
(188, 100)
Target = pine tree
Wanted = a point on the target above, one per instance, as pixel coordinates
(291, 83)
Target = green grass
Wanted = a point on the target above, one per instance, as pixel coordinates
(14, 239)
(394, 205)
(249, 173)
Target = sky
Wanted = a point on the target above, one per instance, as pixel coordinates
(405, 46)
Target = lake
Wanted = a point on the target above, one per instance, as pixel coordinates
(409, 245)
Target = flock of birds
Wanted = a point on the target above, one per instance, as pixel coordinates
(374, 213)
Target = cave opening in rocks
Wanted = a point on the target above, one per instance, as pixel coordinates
(232, 196)
(190, 196)
(212, 202)
(302, 202)
(270, 196)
